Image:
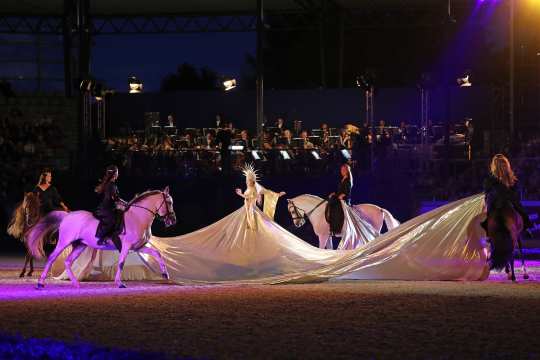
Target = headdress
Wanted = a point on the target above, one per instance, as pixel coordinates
(250, 173)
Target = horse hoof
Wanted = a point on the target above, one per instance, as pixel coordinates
(39, 286)
(165, 276)
(514, 279)
(526, 276)
(29, 274)
(122, 286)
(21, 275)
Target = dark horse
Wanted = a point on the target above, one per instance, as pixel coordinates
(25, 216)
(504, 226)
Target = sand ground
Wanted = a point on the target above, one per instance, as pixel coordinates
(354, 319)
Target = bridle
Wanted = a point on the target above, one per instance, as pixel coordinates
(299, 214)
(156, 214)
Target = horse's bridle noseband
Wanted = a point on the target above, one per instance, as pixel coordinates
(298, 211)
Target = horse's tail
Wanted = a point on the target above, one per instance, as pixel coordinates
(43, 232)
(390, 221)
(16, 224)
(502, 247)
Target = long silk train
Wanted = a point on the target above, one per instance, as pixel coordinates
(444, 244)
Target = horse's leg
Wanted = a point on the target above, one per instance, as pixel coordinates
(507, 271)
(62, 244)
(157, 256)
(31, 265)
(323, 239)
(512, 268)
(520, 245)
(121, 260)
(76, 251)
(21, 275)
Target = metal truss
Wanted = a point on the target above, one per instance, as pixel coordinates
(172, 24)
(51, 25)
(307, 18)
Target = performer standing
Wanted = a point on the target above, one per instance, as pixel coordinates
(501, 187)
(334, 211)
(252, 196)
(47, 194)
(107, 212)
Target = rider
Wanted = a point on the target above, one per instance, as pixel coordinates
(47, 194)
(334, 211)
(501, 187)
(107, 212)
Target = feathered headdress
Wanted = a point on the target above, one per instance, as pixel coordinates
(250, 173)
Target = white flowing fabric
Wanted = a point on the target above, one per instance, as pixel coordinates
(356, 231)
(444, 244)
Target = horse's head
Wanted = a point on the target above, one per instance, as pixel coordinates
(298, 215)
(166, 210)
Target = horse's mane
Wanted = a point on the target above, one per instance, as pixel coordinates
(142, 196)
(313, 197)
(25, 215)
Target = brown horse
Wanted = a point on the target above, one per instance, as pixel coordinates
(504, 226)
(25, 216)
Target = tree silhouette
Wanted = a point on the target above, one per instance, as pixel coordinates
(188, 77)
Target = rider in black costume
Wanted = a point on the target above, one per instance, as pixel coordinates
(107, 213)
(49, 198)
(334, 212)
(501, 187)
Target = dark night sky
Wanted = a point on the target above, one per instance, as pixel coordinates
(151, 57)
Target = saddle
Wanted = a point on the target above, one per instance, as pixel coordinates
(111, 226)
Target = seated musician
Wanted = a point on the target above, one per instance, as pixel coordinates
(344, 139)
(325, 136)
(244, 140)
(285, 141)
(209, 142)
(170, 121)
(268, 141)
(308, 145)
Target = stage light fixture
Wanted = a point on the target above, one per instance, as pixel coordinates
(229, 84)
(135, 85)
(236, 147)
(86, 85)
(465, 80)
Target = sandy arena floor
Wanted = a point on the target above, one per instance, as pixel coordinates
(362, 319)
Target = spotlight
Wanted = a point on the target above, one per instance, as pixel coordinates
(236, 147)
(98, 91)
(229, 84)
(86, 85)
(366, 81)
(465, 80)
(135, 85)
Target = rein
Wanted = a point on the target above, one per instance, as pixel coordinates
(296, 208)
(154, 213)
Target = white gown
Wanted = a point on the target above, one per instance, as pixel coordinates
(247, 246)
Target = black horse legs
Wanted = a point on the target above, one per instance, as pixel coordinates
(520, 245)
(28, 260)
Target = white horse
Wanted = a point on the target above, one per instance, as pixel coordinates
(313, 207)
(78, 228)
